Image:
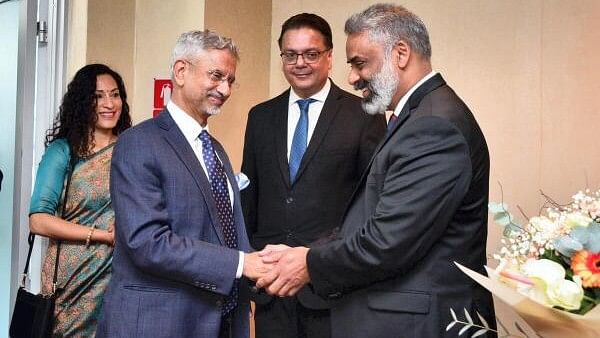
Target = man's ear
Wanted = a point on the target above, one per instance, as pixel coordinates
(401, 53)
(179, 69)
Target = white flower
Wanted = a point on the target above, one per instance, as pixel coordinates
(550, 286)
(577, 219)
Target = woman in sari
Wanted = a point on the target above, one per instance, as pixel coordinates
(94, 111)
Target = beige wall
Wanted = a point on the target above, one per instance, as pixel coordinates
(249, 24)
(76, 38)
(527, 69)
(110, 36)
(158, 23)
(136, 38)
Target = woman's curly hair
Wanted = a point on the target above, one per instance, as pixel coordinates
(77, 116)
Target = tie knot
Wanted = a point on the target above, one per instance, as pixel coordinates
(204, 136)
(304, 103)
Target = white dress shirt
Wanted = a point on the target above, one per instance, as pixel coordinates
(412, 89)
(191, 129)
(314, 111)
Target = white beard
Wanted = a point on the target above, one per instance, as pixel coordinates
(382, 87)
(213, 110)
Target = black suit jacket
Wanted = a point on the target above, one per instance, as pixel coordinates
(421, 205)
(340, 148)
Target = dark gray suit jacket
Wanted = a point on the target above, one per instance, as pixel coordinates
(301, 213)
(421, 205)
(171, 268)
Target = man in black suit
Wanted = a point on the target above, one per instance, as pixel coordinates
(304, 153)
(420, 206)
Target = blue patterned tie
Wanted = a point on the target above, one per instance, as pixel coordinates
(220, 191)
(300, 136)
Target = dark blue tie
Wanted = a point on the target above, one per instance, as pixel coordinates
(220, 191)
(299, 142)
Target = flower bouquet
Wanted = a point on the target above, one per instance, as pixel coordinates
(549, 267)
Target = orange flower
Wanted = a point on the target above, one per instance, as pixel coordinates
(586, 265)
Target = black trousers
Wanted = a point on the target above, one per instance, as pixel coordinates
(287, 318)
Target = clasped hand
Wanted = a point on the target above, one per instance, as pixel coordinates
(279, 269)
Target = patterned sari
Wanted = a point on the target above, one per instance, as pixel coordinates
(83, 272)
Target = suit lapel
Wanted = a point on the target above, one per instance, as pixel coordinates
(328, 113)
(182, 148)
(281, 122)
(413, 102)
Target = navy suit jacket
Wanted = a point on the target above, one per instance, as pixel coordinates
(171, 267)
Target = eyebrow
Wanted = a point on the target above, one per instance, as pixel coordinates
(112, 90)
(354, 59)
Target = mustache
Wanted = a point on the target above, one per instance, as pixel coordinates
(216, 94)
(362, 84)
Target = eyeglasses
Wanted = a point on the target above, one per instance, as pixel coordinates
(310, 56)
(217, 77)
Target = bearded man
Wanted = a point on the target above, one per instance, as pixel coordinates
(420, 206)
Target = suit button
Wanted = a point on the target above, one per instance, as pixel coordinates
(219, 303)
(290, 235)
(289, 200)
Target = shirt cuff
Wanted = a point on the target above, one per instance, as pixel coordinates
(240, 268)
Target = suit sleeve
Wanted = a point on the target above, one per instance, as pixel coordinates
(143, 227)
(372, 133)
(428, 175)
(249, 195)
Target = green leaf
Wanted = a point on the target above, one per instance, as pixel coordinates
(450, 325)
(511, 228)
(502, 218)
(482, 320)
(495, 208)
(479, 333)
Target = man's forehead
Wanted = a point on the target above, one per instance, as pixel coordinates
(217, 58)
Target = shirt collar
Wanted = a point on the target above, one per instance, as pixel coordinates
(320, 96)
(188, 126)
(406, 96)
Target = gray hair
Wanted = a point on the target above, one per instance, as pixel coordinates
(388, 24)
(192, 43)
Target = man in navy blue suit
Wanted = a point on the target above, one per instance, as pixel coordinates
(180, 234)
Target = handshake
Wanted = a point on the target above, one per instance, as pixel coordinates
(279, 269)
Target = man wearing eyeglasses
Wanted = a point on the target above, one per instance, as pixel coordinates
(180, 234)
(304, 153)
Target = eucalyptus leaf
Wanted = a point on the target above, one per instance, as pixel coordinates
(593, 243)
(450, 325)
(453, 314)
(464, 329)
(567, 246)
(580, 234)
(482, 320)
(494, 207)
(479, 333)
(468, 316)
(502, 218)
(510, 229)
